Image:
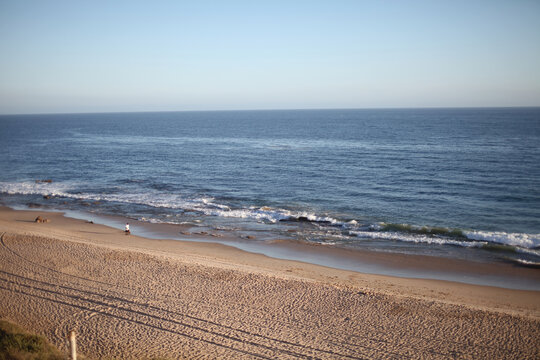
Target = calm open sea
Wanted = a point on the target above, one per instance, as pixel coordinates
(448, 182)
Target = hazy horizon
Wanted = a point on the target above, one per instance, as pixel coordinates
(71, 57)
(290, 109)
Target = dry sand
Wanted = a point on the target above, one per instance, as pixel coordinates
(134, 298)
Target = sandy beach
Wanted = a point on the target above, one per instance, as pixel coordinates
(130, 297)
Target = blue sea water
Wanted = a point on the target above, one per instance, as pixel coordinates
(449, 182)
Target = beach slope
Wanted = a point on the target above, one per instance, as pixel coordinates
(134, 298)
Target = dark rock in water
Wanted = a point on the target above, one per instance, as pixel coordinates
(33, 205)
(47, 197)
(303, 219)
(250, 237)
(44, 181)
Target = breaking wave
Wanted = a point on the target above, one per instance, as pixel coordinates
(352, 229)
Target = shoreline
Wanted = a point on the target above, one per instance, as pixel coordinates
(133, 297)
(499, 274)
(226, 253)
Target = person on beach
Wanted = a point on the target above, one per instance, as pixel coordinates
(127, 229)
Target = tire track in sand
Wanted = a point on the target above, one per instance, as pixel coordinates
(148, 315)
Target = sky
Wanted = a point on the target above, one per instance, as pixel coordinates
(108, 56)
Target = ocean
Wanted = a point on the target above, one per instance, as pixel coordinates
(457, 183)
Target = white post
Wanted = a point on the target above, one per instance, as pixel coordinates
(73, 345)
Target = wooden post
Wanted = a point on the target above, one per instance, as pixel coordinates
(73, 345)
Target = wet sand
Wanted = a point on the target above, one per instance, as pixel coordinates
(135, 298)
(493, 273)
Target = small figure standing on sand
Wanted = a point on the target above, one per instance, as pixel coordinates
(127, 229)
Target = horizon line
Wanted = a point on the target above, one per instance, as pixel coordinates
(283, 109)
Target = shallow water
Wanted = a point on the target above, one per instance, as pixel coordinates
(459, 183)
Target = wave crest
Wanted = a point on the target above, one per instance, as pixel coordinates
(521, 242)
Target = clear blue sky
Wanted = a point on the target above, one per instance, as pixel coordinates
(94, 56)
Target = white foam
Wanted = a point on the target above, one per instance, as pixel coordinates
(35, 188)
(479, 241)
(204, 205)
(514, 239)
(256, 214)
(208, 206)
(527, 262)
(154, 221)
(377, 226)
(154, 199)
(264, 213)
(415, 238)
(528, 251)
